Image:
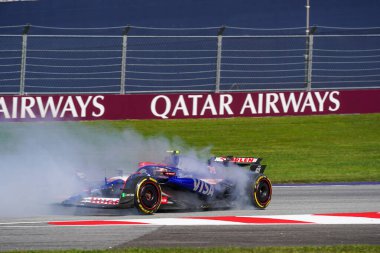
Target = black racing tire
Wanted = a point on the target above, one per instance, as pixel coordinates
(261, 191)
(147, 195)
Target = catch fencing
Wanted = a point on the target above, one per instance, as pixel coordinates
(134, 63)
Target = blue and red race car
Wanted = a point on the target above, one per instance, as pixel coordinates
(161, 186)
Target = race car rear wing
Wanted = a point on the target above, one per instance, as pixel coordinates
(238, 160)
(253, 162)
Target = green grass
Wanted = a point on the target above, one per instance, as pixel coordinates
(335, 148)
(308, 249)
(296, 149)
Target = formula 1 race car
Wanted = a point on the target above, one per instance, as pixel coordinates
(162, 186)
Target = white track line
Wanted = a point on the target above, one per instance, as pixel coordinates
(325, 219)
(182, 222)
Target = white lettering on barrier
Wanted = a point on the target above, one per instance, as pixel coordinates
(335, 101)
(194, 99)
(248, 104)
(309, 102)
(4, 108)
(49, 105)
(153, 106)
(83, 105)
(272, 99)
(263, 103)
(291, 101)
(180, 106)
(63, 107)
(225, 102)
(96, 103)
(191, 104)
(27, 107)
(321, 100)
(69, 107)
(209, 105)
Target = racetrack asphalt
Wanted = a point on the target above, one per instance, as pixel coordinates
(27, 233)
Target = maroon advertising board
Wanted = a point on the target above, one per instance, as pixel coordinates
(187, 105)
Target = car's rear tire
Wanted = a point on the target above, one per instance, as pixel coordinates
(261, 191)
(147, 195)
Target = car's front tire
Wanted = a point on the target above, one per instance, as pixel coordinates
(147, 195)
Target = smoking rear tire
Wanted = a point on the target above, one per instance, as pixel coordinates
(261, 192)
(147, 195)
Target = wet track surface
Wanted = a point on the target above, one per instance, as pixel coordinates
(36, 233)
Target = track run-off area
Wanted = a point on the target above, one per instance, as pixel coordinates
(313, 214)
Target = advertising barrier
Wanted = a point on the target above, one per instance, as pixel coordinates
(183, 106)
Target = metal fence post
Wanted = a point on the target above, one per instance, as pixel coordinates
(124, 60)
(309, 62)
(23, 58)
(219, 59)
(309, 48)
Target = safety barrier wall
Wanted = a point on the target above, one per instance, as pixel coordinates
(187, 105)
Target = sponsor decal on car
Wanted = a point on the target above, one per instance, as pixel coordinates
(203, 187)
(236, 159)
(101, 201)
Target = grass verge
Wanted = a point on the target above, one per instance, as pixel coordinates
(336, 148)
(308, 249)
